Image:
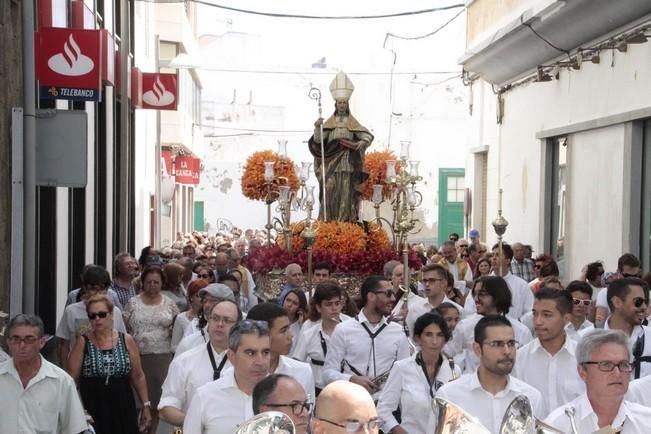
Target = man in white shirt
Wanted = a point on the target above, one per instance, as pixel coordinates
(367, 346)
(487, 392)
(628, 299)
(280, 392)
(281, 343)
(603, 359)
(35, 395)
(200, 365)
(434, 282)
(548, 362)
(492, 297)
(581, 293)
(220, 406)
(628, 265)
(522, 297)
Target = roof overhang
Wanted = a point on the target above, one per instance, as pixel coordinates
(515, 51)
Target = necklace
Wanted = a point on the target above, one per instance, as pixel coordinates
(106, 363)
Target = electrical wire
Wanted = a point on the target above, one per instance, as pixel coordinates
(413, 38)
(312, 17)
(329, 73)
(562, 50)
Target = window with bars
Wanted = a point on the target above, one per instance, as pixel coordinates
(456, 188)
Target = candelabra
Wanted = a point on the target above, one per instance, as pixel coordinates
(404, 199)
(309, 234)
(499, 225)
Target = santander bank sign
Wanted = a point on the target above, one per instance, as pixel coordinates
(69, 64)
(159, 91)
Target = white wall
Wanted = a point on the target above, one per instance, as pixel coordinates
(516, 156)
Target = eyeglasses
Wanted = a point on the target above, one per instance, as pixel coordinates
(297, 407)
(639, 301)
(432, 280)
(217, 319)
(501, 344)
(27, 340)
(579, 301)
(354, 426)
(95, 315)
(608, 366)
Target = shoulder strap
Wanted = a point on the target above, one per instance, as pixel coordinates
(216, 370)
(638, 350)
(373, 335)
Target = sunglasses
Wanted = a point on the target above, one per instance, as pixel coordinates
(96, 315)
(578, 301)
(639, 301)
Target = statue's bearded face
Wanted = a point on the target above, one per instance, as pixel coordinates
(341, 106)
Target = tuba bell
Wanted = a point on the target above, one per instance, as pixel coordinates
(269, 422)
(519, 419)
(453, 420)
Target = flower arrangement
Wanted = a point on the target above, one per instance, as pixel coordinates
(375, 164)
(346, 246)
(365, 262)
(253, 178)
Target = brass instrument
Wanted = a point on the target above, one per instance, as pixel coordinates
(381, 379)
(453, 420)
(518, 419)
(269, 422)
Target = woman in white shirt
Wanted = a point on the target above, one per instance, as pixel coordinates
(295, 304)
(413, 382)
(325, 314)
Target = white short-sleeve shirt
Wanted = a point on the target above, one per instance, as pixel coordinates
(556, 377)
(521, 297)
(49, 404)
(635, 418)
(187, 373)
(468, 394)
(218, 407)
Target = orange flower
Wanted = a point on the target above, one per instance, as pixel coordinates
(375, 165)
(377, 238)
(253, 185)
(331, 237)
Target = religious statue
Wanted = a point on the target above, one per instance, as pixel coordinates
(340, 153)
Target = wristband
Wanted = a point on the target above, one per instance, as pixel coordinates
(146, 404)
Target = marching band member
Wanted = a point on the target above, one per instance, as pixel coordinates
(487, 392)
(313, 342)
(200, 365)
(604, 364)
(492, 297)
(413, 382)
(548, 362)
(364, 349)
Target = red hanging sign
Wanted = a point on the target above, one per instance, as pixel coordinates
(187, 169)
(159, 91)
(69, 63)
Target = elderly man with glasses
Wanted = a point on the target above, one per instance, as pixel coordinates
(220, 406)
(344, 407)
(604, 364)
(280, 392)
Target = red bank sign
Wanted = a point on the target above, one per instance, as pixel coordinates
(69, 63)
(159, 91)
(187, 169)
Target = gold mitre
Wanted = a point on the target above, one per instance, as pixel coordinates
(341, 87)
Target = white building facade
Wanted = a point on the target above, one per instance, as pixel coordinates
(561, 110)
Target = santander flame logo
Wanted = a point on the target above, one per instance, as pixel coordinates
(72, 62)
(158, 95)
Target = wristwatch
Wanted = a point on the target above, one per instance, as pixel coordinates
(146, 404)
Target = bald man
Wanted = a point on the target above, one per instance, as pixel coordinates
(343, 405)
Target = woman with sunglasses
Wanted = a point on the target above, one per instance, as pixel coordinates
(106, 365)
(413, 382)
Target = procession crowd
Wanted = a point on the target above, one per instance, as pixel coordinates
(180, 335)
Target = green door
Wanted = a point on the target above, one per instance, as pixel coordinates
(198, 216)
(452, 186)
